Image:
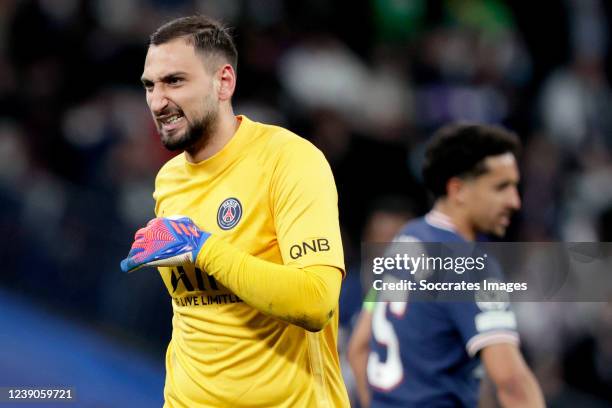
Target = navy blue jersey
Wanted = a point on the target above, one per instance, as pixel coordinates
(426, 353)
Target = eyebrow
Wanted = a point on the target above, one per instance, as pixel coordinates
(164, 78)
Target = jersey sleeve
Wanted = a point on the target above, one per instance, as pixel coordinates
(305, 208)
(482, 325)
(488, 317)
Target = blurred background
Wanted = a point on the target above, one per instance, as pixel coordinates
(366, 81)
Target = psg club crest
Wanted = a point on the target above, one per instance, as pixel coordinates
(229, 213)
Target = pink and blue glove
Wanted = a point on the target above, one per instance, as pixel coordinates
(169, 241)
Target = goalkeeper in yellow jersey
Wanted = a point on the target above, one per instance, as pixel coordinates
(247, 238)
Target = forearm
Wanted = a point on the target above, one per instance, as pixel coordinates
(358, 363)
(523, 392)
(305, 297)
(516, 386)
(357, 355)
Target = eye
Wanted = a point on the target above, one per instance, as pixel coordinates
(503, 186)
(175, 80)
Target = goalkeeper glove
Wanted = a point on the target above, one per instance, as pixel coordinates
(169, 241)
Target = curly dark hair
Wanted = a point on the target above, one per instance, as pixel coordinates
(460, 149)
(204, 33)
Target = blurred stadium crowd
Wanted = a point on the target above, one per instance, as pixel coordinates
(367, 82)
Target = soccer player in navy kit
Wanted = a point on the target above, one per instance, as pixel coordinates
(429, 354)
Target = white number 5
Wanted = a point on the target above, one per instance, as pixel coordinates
(388, 374)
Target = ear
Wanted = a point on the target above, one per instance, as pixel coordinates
(456, 189)
(226, 77)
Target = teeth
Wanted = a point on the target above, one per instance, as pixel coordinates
(172, 119)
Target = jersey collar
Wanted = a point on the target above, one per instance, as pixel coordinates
(440, 220)
(233, 150)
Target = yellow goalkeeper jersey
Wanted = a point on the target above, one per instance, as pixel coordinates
(271, 194)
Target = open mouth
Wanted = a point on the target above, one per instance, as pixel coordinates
(505, 220)
(170, 122)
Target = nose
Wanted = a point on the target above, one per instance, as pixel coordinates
(157, 100)
(515, 199)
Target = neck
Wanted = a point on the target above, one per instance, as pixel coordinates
(225, 128)
(458, 217)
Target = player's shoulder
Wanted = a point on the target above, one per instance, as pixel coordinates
(284, 143)
(415, 230)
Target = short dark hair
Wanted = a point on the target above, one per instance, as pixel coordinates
(204, 33)
(459, 150)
